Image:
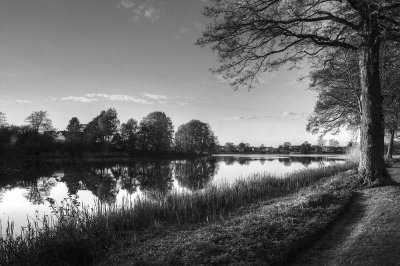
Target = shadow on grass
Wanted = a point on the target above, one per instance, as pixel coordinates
(333, 235)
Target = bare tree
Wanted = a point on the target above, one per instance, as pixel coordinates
(251, 36)
(39, 121)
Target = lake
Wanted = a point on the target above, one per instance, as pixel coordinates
(23, 194)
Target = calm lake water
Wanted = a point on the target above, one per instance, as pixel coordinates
(23, 194)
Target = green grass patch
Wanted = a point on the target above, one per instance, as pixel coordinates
(82, 236)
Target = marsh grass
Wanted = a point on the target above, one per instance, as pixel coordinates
(80, 235)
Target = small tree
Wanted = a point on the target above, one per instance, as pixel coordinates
(305, 147)
(321, 142)
(74, 125)
(74, 131)
(38, 121)
(230, 147)
(3, 120)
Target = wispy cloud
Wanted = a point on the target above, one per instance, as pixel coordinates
(94, 97)
(294, 114)
(22, 101)
(79, 99)
(117, 97)
(146, 98)
(288, 115)
(156, 96)
(165, 99)
(142, 9)
(251, 117)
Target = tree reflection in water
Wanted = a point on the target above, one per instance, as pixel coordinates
(195, 174)
(39, 190)
(105, 180)
(38, 181)
(155, 177)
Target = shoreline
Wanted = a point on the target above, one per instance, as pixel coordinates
(93, 233)
(271, 232)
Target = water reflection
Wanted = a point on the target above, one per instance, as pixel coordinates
(25, 190)
(106, 180)
(195, 174)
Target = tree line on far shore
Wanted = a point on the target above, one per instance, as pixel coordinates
(104, 133)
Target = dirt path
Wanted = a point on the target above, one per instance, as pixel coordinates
(368, 234)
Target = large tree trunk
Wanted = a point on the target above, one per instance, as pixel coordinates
(372, 166)
(389, 154)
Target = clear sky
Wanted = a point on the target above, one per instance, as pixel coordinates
(78, 57)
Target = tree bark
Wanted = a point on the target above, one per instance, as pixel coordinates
(372, 166)
(389, 154)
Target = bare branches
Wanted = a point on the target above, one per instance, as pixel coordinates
(256, 35)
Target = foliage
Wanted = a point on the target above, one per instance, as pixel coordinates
(254, 36)
(195, 137)
(339, 95)
(102, 134)
(128, 129)
(39, 121)
(390, 78)
(129, 134)
(230, 147)
(108, 124)
(74, 125)
(92, 132)
(339, 92)
(74, 134)
(155, 132)
(305, 148)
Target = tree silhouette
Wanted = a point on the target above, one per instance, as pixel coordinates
(39, 121)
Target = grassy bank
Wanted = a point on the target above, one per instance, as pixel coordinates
(82, 236)
(270, 232)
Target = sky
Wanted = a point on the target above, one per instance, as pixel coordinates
(79, 57)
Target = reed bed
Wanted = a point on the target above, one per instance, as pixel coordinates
(81, 235)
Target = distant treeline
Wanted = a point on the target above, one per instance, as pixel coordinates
(105, 135)
(286, 148)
